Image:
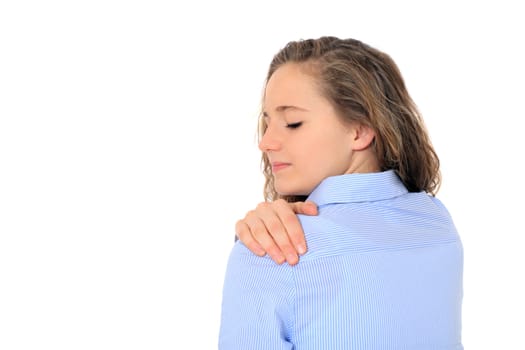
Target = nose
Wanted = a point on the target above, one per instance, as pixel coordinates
(269, 141)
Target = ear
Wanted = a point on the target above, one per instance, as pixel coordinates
(362, 137)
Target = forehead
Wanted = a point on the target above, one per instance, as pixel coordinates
(290, 84)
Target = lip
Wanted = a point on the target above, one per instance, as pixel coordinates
(277, 166)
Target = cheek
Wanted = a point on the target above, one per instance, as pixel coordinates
(329, 156)
(327, 147)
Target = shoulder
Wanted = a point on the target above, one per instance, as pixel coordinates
(249, 274)
(242, 260)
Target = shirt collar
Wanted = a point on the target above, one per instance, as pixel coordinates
(350, 188)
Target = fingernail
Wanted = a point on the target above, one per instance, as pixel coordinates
(301, 249)
(291, 258)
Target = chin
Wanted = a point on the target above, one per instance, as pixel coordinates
(283, 191)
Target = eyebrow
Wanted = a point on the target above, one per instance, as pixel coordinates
(283, 109)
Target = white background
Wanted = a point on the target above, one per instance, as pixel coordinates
(127, 153)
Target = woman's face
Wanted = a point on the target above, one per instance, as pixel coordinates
(305, 140)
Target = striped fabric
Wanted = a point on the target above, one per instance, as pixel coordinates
(383, 271)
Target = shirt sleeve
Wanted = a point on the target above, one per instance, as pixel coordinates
(257, 303)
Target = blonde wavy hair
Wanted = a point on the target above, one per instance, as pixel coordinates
(365, 86)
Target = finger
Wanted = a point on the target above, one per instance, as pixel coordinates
(260, 233)
(290, 221)
(243, 232)
(268, 213)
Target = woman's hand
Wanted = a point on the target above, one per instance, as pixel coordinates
(274, 229)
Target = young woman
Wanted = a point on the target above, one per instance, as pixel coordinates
(384, 263)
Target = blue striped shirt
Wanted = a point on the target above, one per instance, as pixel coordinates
(383, 271)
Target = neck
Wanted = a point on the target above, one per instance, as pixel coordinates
(364, 161)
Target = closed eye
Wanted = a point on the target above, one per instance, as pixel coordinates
(294, 125)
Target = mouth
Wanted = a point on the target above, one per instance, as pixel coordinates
(277, 166)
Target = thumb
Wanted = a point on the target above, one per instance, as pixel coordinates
(307, 208)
